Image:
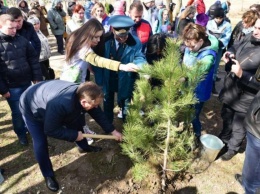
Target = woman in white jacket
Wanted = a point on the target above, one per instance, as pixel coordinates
(45, 49)
(77, 20)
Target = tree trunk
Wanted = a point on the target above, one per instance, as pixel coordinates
(165, 155)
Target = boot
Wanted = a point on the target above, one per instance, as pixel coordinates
(214, 90)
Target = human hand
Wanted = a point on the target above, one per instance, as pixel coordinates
(80, 136)
(118, 135)
(130, 67)
(227, 55)
(6, 95)
(236, 68)
(35, 82)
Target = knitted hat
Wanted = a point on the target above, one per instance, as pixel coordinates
(202, 19)
(159, 3)
(119, 8)
(33, 20)
(219, 13)
(147, 1)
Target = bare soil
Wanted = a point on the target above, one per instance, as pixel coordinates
(109, 171)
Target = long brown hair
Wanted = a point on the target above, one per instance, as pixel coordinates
(83, 36)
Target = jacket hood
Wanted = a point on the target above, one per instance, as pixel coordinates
(160, 17)
(54, 3)
(213, 44)
(25, 2)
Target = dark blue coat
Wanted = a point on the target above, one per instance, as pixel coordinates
(55, 105)
(28, 32)
(19, 64)
(132, 54)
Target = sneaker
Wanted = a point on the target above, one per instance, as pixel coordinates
(90, 149)
(120, 114)
(23, 140)
(215, 93)
(238, 178)
(88, 131)
(228, 155)
(196, 143)
(61, 52)
(222, 151)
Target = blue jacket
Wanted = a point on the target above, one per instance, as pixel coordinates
(88, 6)
(28, 32)
(207, 56)
(55, 105)
(132, 54)
(222, 32)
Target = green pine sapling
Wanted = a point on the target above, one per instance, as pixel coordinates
(155, 140)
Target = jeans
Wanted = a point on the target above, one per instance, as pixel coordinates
(40, 145)
(59, 39)
(196, 121)
(251, 168)
(17, 119)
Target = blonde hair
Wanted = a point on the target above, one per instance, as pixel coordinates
(97, 5)
(4, 18)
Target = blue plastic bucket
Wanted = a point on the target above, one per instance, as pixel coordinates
(211, 146)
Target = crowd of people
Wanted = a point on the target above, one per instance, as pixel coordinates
(114, 41)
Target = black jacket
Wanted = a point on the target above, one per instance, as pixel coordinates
(237, 34)
(247, 53)
(55, 105)
(252, 120)
(19, 64)
(28, 32)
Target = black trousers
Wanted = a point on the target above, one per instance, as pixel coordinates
(59, 39)
(233, 132)
(44, 67)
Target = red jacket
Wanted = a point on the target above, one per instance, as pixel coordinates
(200, 5)
(143, 31)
